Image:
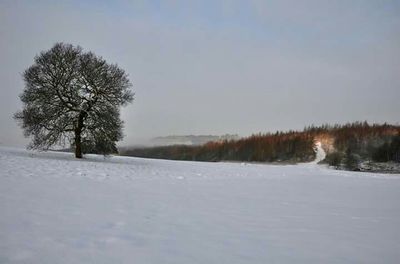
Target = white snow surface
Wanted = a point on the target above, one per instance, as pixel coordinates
(56, 209)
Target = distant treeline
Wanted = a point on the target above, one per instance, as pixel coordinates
(358, 140)
(289, 146)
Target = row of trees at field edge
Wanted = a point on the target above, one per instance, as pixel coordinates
(289, 146)
(351, 143)
(357, 142)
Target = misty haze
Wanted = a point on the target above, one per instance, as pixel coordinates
(199, 131)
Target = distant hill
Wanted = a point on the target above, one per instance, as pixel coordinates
(190, 140)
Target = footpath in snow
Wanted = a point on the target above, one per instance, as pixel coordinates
(55, 209)
(319, 153)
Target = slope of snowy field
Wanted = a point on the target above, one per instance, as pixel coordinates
(55, 209)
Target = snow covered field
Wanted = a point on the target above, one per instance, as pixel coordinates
(55, 209)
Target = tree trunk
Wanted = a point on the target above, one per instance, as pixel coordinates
(78, 131)
(78, 145)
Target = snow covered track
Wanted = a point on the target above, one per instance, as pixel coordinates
(319, 153)
(55, 209)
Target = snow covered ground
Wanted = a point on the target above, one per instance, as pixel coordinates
(55, 209)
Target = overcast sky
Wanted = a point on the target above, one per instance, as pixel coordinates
(216, 67)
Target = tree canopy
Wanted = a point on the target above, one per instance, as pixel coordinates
(72, 96)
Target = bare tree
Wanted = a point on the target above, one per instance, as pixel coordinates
(73, 96)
